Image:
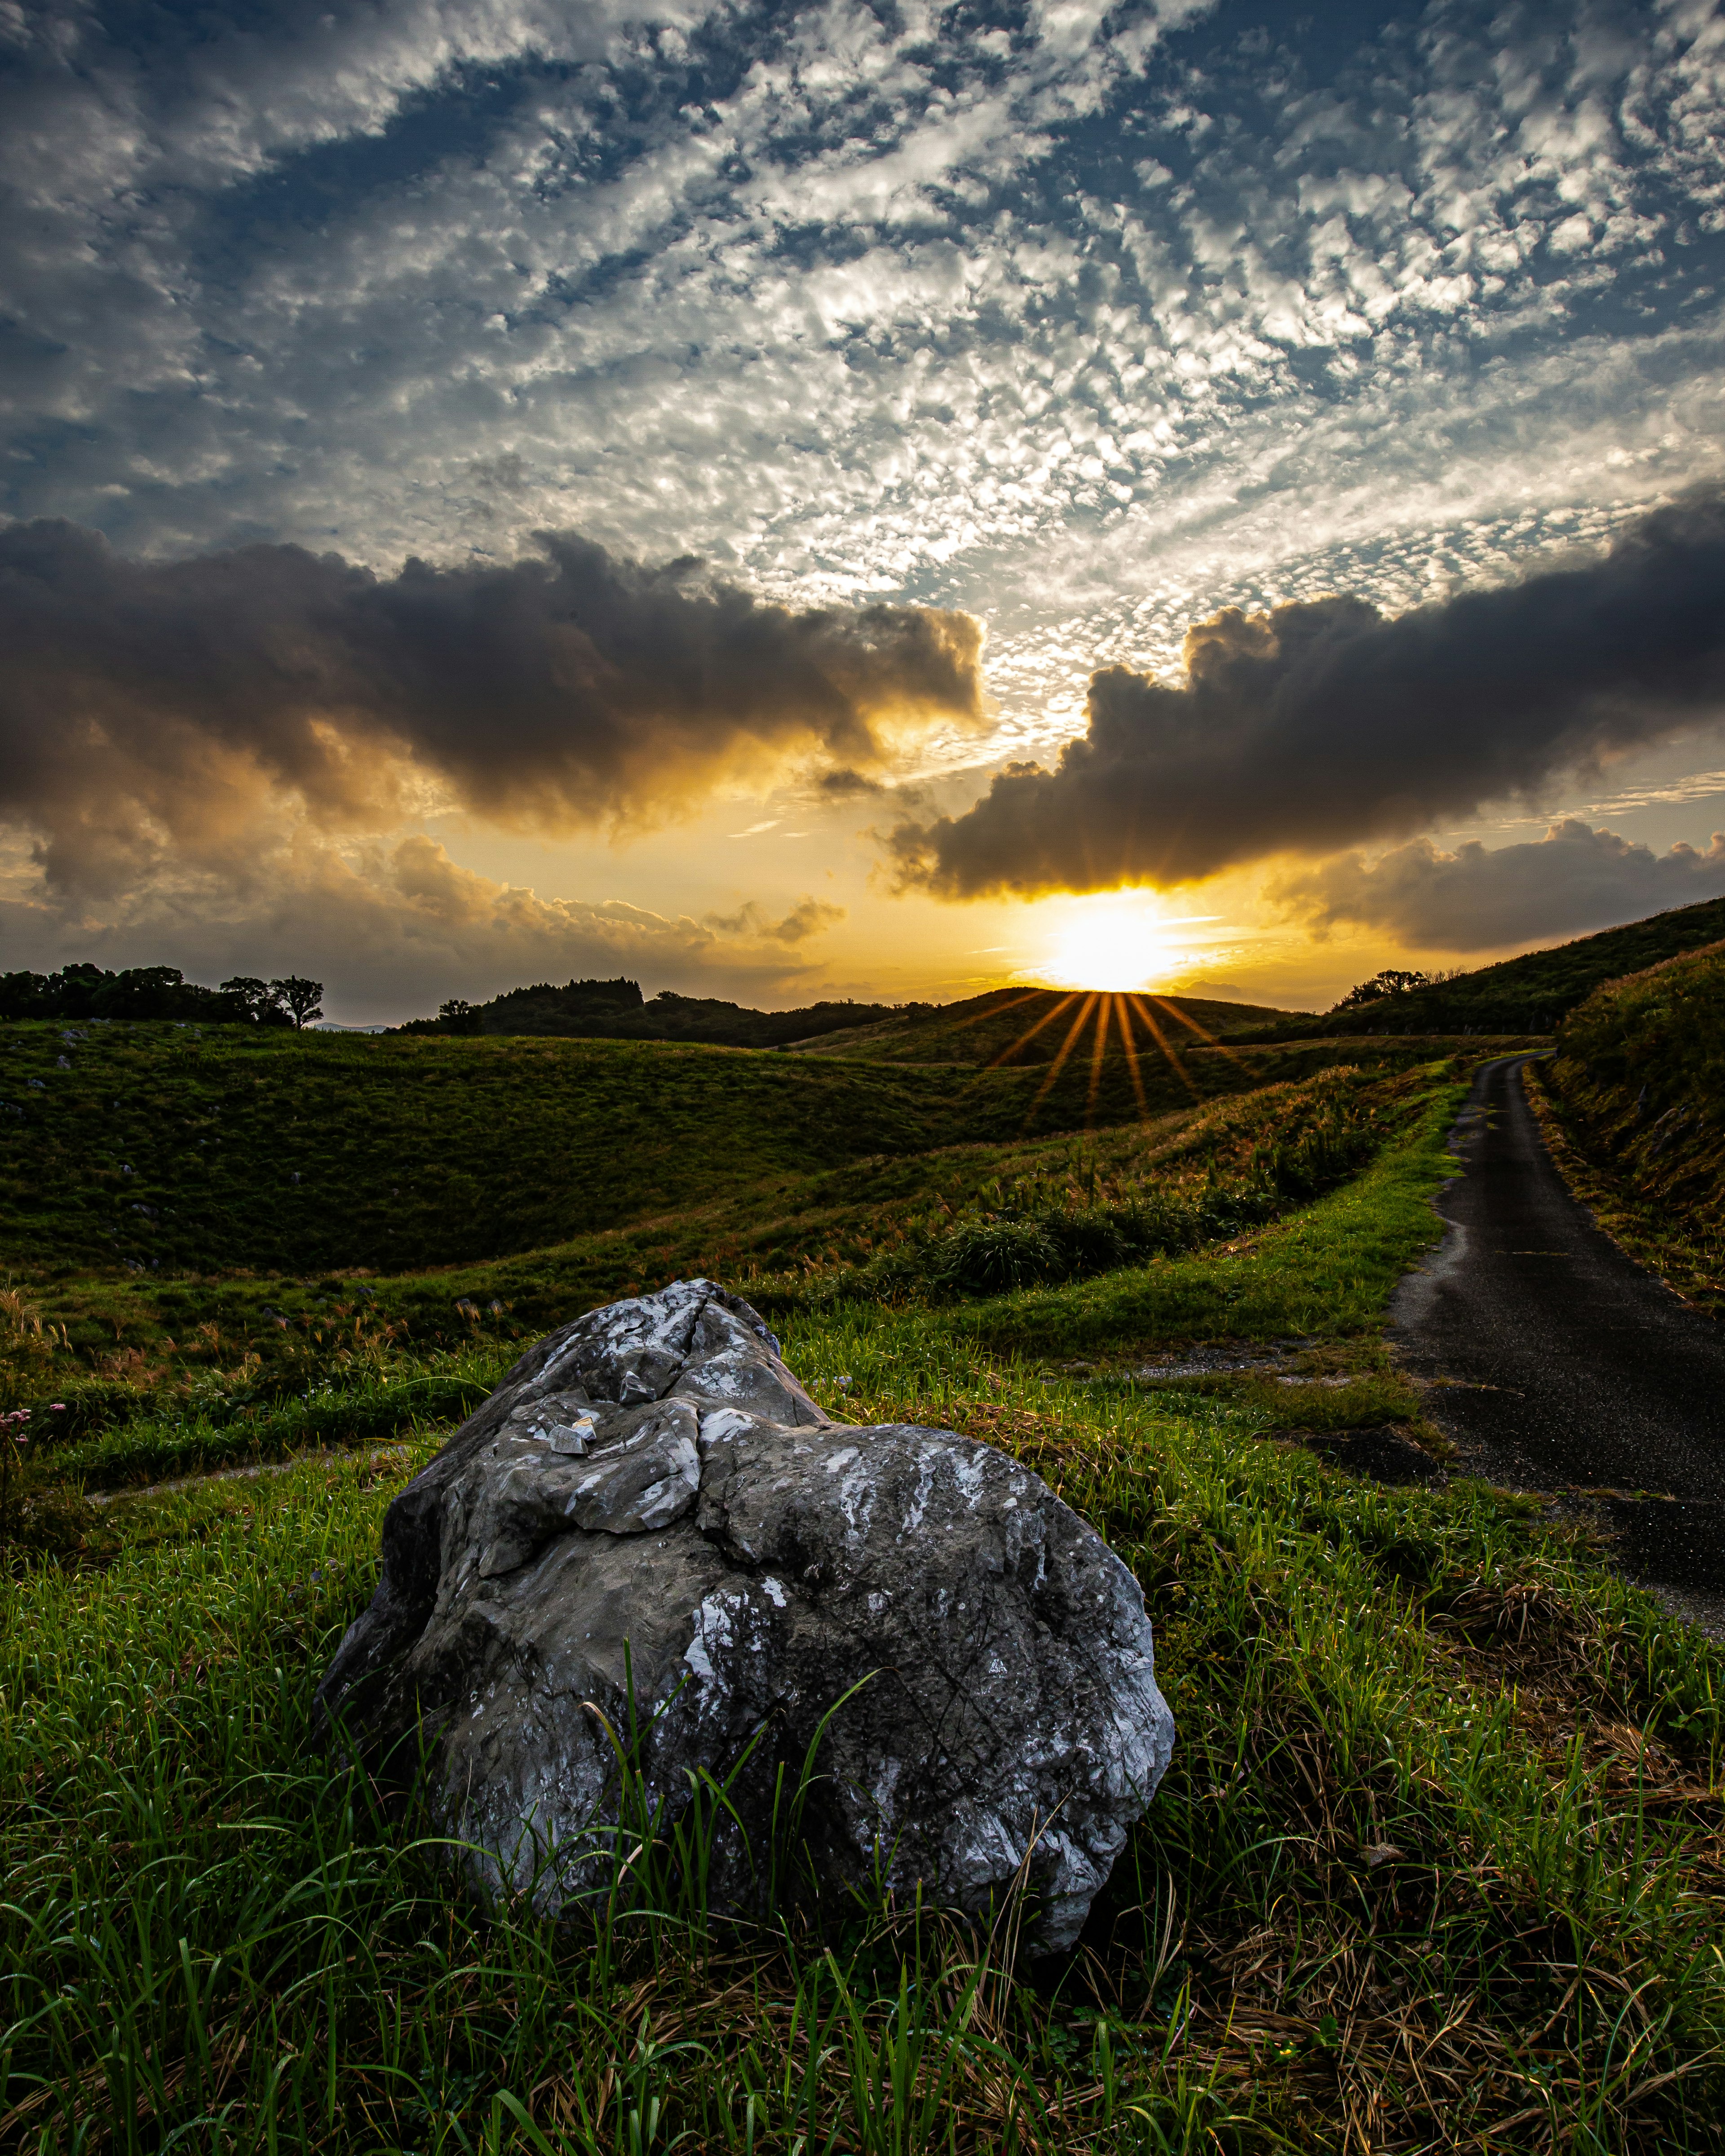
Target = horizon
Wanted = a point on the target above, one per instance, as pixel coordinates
(839, 503)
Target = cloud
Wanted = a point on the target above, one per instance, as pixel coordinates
(847, 785)
(1322, 724)
(863, 304)
(871, 309)
(157, 712)
(396, 930)
(810, 916)
(1573, 880)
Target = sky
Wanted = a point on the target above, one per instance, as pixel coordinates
(829, 500)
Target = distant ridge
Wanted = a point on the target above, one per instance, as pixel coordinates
(1023, 1025)
(616, 1010)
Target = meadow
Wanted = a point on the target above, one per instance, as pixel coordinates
(221, 1151)
(1438, 1861)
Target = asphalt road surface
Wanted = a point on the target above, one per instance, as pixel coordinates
(1557, 1365)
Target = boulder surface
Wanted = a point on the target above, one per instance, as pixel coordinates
(649, 1526)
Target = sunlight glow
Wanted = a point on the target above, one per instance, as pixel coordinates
(1117, 940)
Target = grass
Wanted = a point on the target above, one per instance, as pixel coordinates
(196, 1155)
(106, 1340)
(1029, 1024)
(1437, 1864)
(1533, 994)
(1633, 1107)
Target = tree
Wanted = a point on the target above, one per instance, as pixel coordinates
(457, 1015)
(302, 999)
(1391, 982)
(257, 997)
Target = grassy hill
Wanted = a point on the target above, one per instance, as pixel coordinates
(178, 1150)
(1637, 1094)
(616, 1010)
(1444, 1797)
(959, 1219)
(1529, 994)
(1024, 1026)
(1432, 1758)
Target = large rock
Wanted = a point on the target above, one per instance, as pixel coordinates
(651, 1509)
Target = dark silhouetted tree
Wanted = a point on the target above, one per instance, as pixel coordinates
(257, 997)
(302, 999)
(457, 1015)
(1390, 982)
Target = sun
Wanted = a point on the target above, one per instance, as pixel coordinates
(1119, 941)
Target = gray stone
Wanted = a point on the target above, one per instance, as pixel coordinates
(651, 1528)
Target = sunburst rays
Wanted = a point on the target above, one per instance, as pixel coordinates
(1145, 1023)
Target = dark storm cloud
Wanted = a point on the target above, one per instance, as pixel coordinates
(146, 708)
(1572, 881)
(1323, 725)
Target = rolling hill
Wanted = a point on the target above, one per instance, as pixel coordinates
(173, 1150)
(1021, 1026)
(1528, 994)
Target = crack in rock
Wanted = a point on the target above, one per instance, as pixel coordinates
(650, 1526)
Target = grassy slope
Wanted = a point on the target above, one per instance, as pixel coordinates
(301, 1153)
(238, 1384)
(983, 1027)
(1437, 1864)
(1633, 1106)
(1532, 994)
(305, 1155)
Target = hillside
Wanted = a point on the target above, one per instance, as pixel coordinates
(1637, 1092)
(1424, 1699)
(616, 1010)
(1531, 993)
(1024, 1026)
(959, 1218)
(178, 1150)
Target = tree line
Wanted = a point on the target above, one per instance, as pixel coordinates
(160, 992)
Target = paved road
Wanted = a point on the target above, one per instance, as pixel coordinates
(1560, 1366)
